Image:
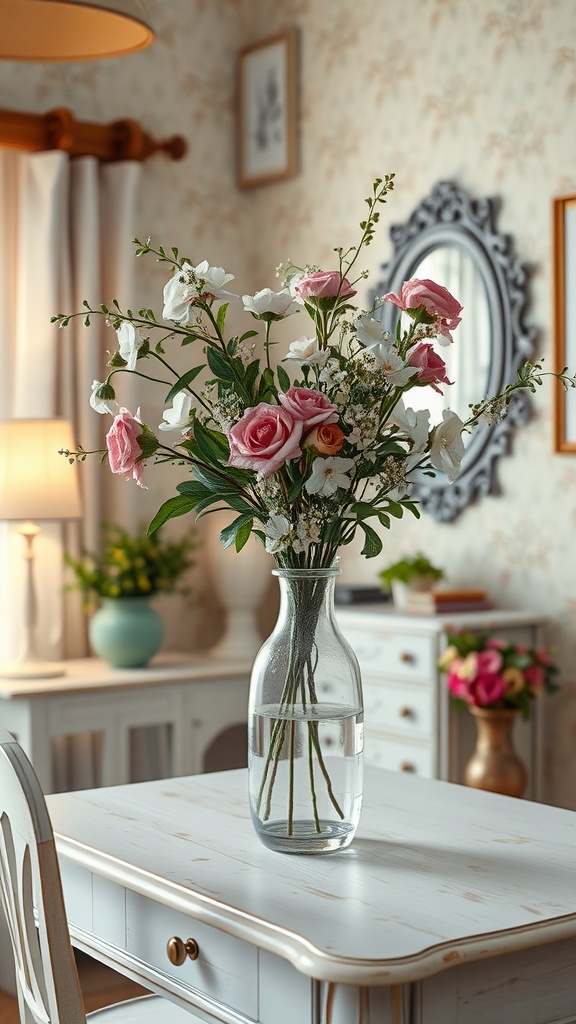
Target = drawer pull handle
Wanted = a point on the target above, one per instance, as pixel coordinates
(405, 712)
(407, 766)
(407, 657)
(178, 950)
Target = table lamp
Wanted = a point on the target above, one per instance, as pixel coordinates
(36, 484)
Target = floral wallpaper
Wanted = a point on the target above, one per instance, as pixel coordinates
(480, 94)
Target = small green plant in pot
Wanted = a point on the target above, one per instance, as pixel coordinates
(125, 630)
(409, 574)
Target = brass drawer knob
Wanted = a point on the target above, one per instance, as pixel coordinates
(407, 657)
(405, 712)
(407, 766)
(178, 950)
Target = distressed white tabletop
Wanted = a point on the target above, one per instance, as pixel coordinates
(437, 873)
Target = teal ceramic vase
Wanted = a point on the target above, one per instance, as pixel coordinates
(126, 631)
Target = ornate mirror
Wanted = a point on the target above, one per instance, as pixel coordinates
(451, 239)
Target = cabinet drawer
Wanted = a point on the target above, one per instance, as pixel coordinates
(405, 709)
(226, 968)
(399, 756)
(398, 655)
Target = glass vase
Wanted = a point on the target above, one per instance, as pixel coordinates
(495, 765)
(306, 742)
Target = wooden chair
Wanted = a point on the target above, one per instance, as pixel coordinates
(46, 976)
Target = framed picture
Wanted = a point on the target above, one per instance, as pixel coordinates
(564, 262)
(267, 99)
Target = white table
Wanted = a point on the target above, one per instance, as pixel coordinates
(198, 698)
(451, 906)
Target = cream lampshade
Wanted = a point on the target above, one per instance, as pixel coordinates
(63, 30)
(36, 484)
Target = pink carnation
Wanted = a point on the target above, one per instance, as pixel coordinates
(323, 284)
(264, 439)
(431, 368)
(311, 407)
(123, 448)
(434, 298)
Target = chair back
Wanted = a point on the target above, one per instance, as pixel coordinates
(31, 893)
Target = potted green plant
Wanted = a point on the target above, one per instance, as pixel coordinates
(409, 574)
(125, 629)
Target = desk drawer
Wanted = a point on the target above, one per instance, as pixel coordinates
(398, 655)
(405, 709)
(226, 968)
(399, 756)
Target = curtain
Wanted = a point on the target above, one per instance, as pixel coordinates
(66, 227)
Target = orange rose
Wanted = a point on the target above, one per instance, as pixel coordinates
(326, 439)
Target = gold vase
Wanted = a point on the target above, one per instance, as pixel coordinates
(495, 765)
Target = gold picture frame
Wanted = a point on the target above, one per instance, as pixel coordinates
(564, 267)
(267, 110)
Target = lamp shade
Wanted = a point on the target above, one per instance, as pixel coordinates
(62, 30)
(35, 481)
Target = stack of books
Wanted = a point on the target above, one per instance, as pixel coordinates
(438, 602)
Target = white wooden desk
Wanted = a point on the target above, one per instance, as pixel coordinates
(451, 906)
(196, 697)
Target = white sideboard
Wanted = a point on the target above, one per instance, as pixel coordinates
(409, 723)
(196, 699)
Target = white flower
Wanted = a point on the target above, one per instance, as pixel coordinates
(379, 344)
(328, 475)
(447, 448)
(269, 305)
(370, 332)
(178, 417)
(305, 350)
(191, 283)
(103, 404)
(414, 423)
(130, 340)
(277, 531)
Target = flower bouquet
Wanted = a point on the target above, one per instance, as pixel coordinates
(131, 565)
(308, 451)
(488, 672)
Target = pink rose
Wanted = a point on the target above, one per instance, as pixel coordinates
(534, 676)
(323, 284)
(123, 448)
(496, 643)
(312, 407)
(264, 439)
(489, 662)
(431, 368)
(456, 684)
(487, 689)
(434, 298)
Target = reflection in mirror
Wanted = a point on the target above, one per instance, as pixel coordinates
(451, 240)
(468, 359)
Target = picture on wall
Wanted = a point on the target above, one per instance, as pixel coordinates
(267, 99)
(564, 222)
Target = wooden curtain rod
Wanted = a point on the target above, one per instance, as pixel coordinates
(59, 129)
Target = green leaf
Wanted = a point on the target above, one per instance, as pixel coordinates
(229, 533)
(183, 382)
(212, 445)
(283, 378)
(221, 318)
(219, 365)
(372, 542)
(243, 534)
(177, 506)
(148, 442)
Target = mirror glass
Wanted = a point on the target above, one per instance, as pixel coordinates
(452, 240)
(468, 358)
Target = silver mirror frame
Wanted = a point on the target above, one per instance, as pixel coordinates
(449, 217)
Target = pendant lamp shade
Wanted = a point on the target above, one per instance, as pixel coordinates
(68, 30)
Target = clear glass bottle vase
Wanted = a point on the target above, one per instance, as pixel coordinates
(305, 759)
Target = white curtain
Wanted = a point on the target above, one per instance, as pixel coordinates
(66, 228)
